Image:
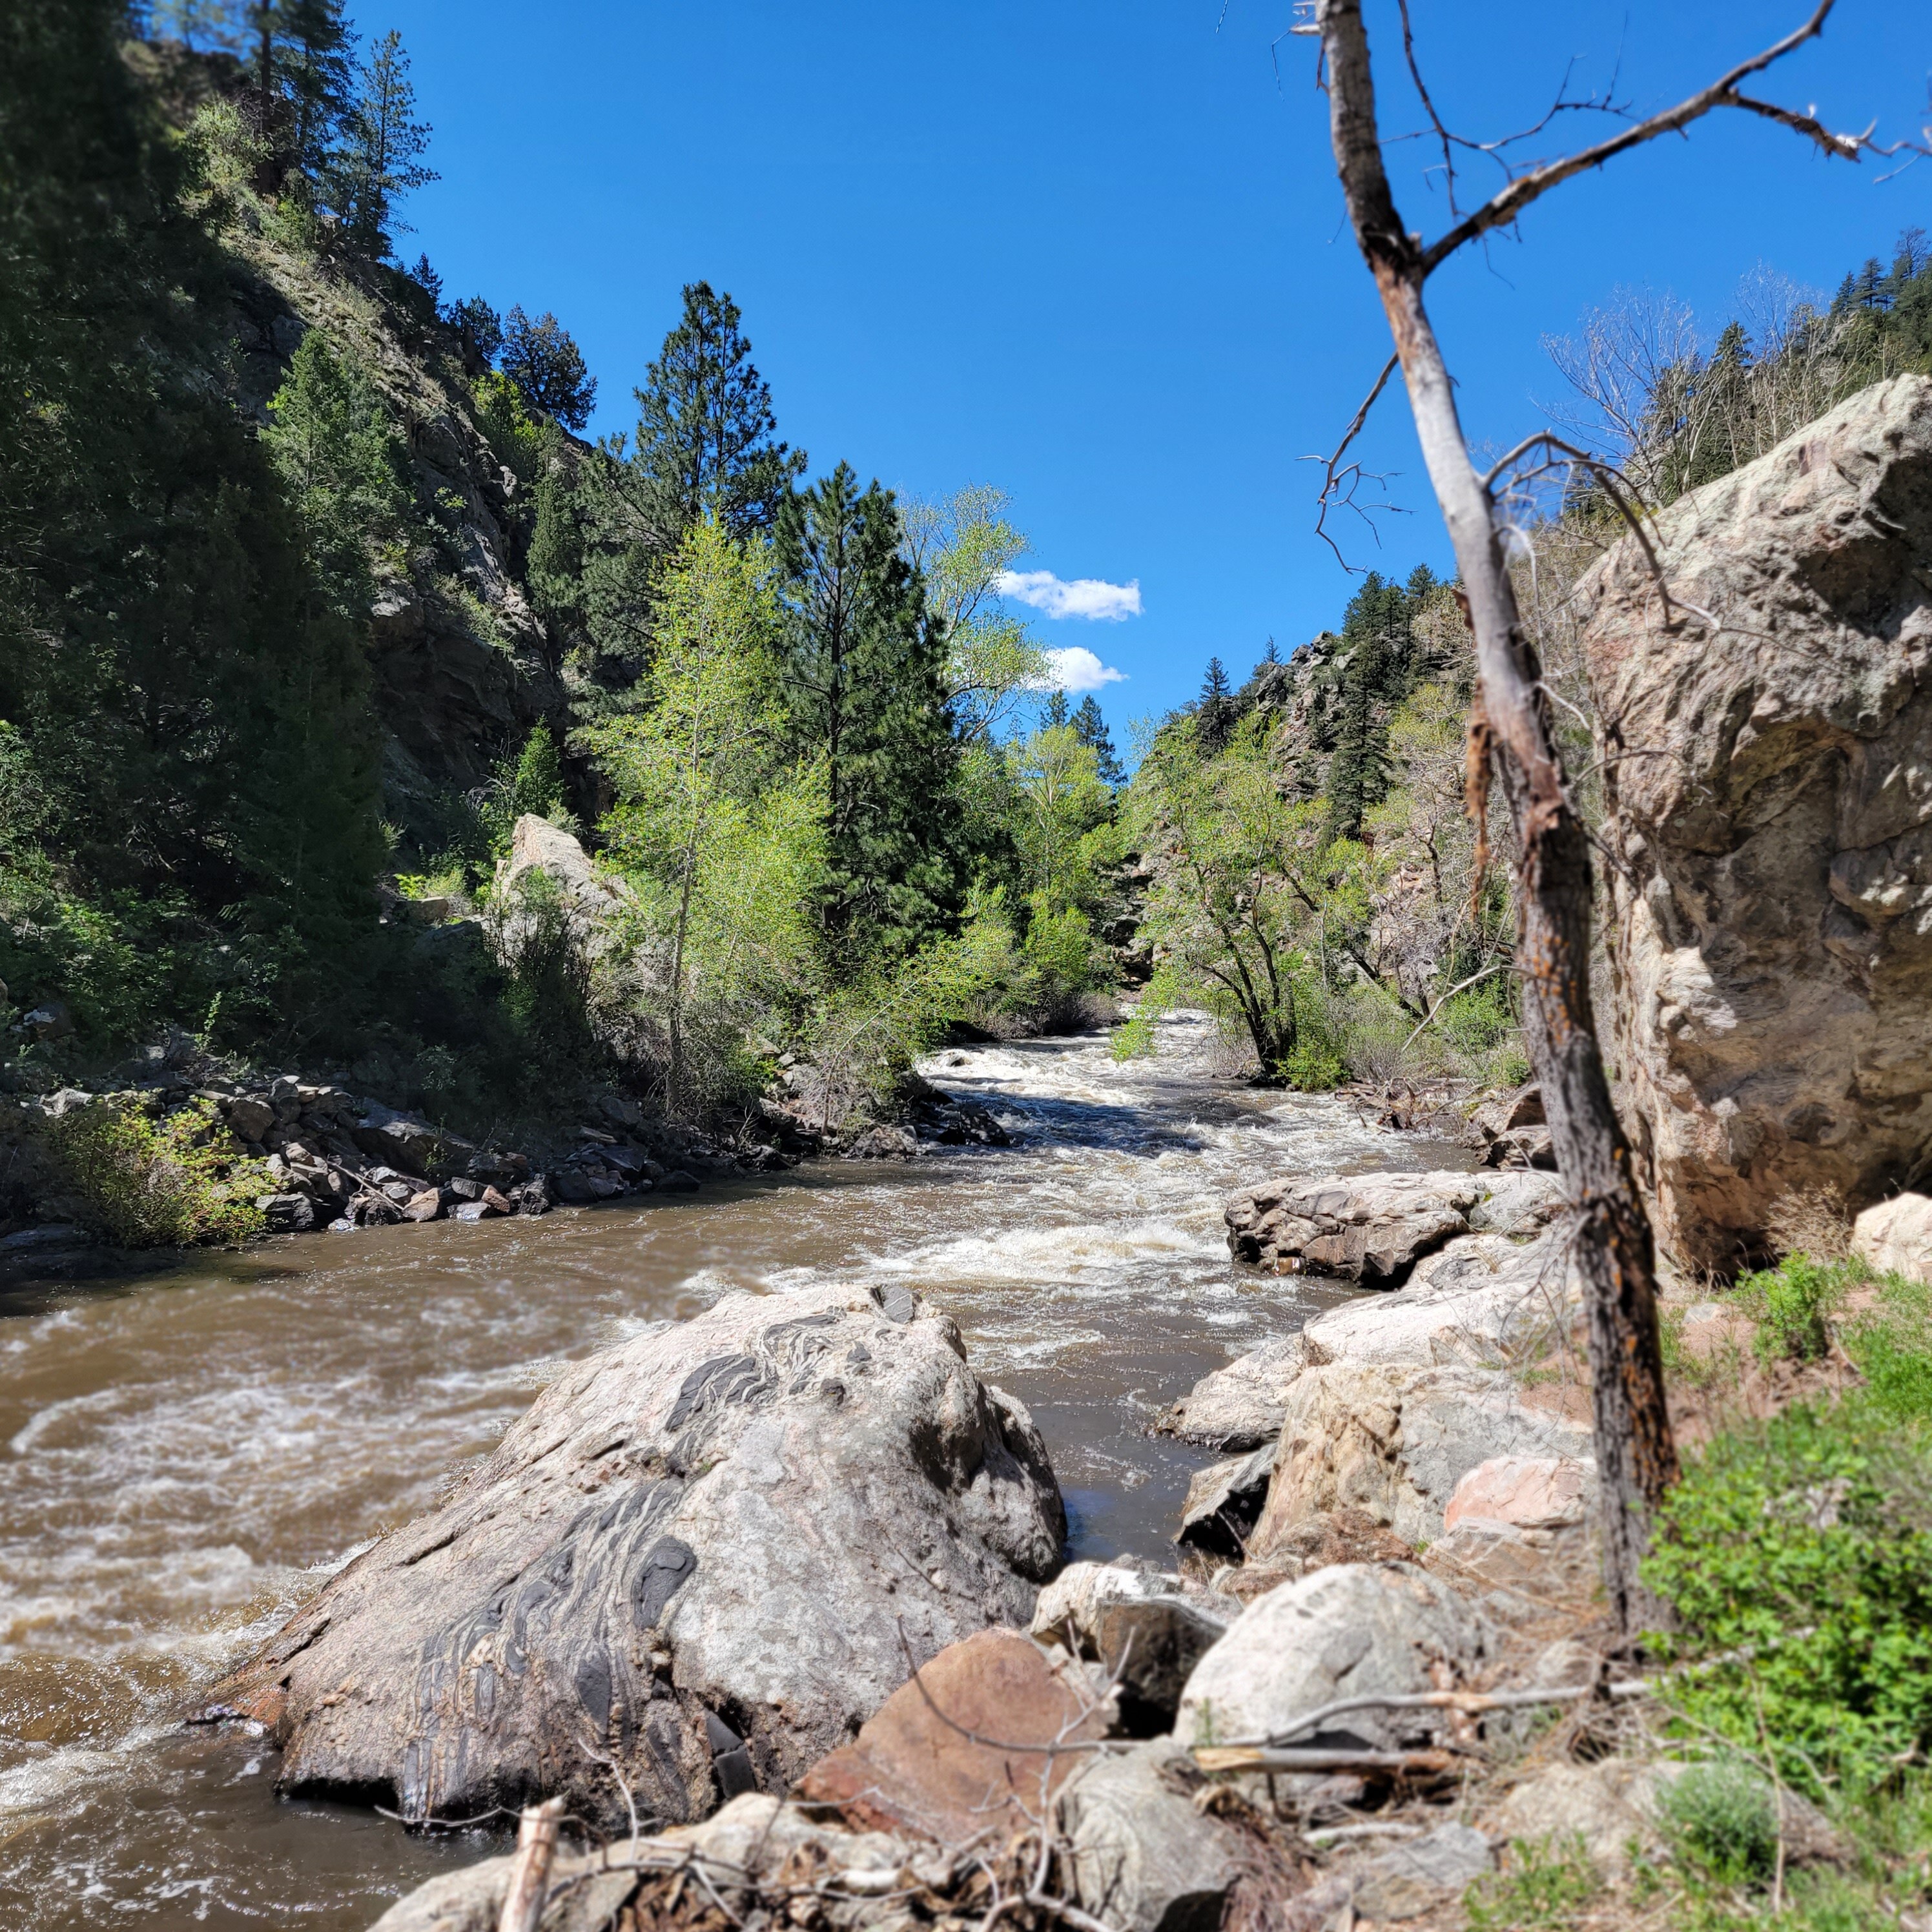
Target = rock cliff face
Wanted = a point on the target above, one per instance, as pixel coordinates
(461, 667)
(1769, 746)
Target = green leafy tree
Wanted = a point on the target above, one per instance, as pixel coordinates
(961, 546)
(725, 841)
(865, 667)
(706, 438)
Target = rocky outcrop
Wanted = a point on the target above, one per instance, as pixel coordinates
(1395, 1441)
(1767, 774)
(701, 1557)
(1374, 1228)
(546, 861)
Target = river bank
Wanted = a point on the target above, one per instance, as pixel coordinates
(191, 1455)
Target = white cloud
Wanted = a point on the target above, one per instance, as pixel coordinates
(1083, 597)
(1077, 669)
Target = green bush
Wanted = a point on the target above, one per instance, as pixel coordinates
(142, 1183)
(1793, 1304)
(1804, 1545)
(1721, 1818)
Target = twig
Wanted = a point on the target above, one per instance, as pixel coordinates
(529, 1872)
(1462, 986)
(1332, 476)
(1257, 1757)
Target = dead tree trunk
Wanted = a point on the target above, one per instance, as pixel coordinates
(1637, 1458)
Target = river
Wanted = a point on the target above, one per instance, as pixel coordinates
(190, 1454)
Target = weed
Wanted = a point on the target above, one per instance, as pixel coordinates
(1545, 1884)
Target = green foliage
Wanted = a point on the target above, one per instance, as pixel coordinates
(1793, 1304)
(1542, 1888)
(1721, 1819)
(343, 460)
(516, 435)
(961, 546)
(1892, 1344)
(380, 156)
(1798, 1555)
(143, 1183)
(540, 357)
(722, 836)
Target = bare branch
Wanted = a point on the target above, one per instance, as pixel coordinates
(1505, 206)
(1338, 485)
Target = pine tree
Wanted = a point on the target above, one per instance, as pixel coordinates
(1053, 713)
(381, 157)
(706, 439)
(547, 367)
(1215, 714)
(1092, 730)
(864, 667)
(480, 327)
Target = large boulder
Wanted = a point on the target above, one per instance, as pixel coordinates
(546, 864)
(1483, 1300)
(698, 1562)
(1368, 1229)
(1375, 1228)
(1346, 1631)
(1768, 778)
(1895, 1237)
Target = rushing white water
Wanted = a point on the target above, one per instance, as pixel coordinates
(188, 1455)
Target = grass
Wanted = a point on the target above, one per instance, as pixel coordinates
(1542, 1888)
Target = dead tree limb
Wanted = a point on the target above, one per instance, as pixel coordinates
(1636, 1455)
(530, 1870)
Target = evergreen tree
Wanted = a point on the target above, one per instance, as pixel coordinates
(1091, 729)
(480, 327)
(555, 565)
(1215, 714)
(706, 440)
(547, 367)
(865, 670)
(383, 144)
(1053, 713)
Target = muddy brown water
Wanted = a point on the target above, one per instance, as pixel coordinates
(186, 1456)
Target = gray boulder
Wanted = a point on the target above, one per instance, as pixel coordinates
(1343, 1631)
(1370, 1228)
(1145, 1629)
(1243, 1405)
(1772, 890)
(698, 1557)
(1143, 1859)
(1223, 1502)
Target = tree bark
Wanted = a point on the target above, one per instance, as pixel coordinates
(1636, 1457)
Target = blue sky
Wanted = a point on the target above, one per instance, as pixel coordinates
(1094, 253)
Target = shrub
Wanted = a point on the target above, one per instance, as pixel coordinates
(146, 1183)
(1804, 1545)
(1544, 1886)
(1722, 1818)
(1793, 1304)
